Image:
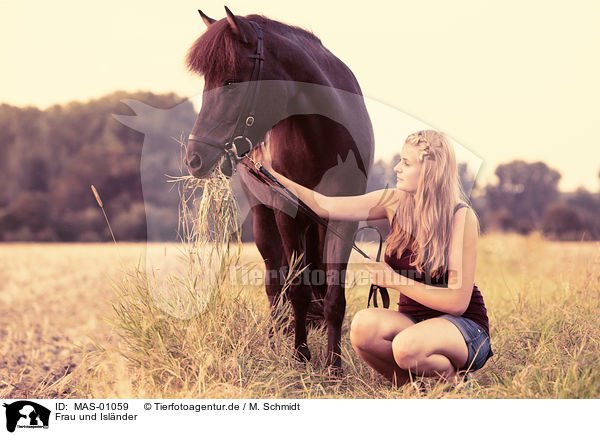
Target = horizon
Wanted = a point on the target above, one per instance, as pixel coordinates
(512, 82)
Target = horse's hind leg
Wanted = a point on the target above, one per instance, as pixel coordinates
(270, 247)
(336, 262)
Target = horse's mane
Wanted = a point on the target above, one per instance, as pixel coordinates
(214, 53)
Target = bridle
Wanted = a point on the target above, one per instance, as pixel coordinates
(237, 151)
(239, 144)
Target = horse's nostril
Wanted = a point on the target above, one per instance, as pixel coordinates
(195, 162)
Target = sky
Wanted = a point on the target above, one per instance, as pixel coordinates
(505, 80)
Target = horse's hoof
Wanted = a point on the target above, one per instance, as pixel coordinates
(302, 354)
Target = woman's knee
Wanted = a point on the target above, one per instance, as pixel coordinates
(364, 328)
(407, 349)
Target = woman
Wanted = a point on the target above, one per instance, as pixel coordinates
(441, 328)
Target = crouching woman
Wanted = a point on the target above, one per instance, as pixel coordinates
(441, 328)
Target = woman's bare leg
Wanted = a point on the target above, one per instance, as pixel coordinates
(371, 334)
(433, 347)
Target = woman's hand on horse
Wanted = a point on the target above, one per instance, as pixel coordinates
(263, 155)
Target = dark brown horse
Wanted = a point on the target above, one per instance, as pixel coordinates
(310, 108)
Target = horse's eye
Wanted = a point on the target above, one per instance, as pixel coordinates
(229, 82)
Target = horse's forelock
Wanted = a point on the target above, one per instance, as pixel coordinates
(214, 53)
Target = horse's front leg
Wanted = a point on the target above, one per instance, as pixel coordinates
(299, 291)
(300, 296)
(270, 247)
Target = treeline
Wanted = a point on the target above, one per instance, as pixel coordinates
(50, 158)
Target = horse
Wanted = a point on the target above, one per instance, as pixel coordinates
(308, 106)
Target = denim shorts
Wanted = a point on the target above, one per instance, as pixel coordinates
(478, 341)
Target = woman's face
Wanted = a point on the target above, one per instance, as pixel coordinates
(408, 170)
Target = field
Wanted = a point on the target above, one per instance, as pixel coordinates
(75, 321)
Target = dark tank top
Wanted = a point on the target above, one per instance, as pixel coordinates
(476, 310)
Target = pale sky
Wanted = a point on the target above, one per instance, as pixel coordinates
(506, 80)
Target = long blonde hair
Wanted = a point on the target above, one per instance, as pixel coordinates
(423, 221)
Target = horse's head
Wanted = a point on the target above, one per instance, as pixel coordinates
(235, 111)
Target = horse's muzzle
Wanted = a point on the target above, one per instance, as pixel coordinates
(195, 163)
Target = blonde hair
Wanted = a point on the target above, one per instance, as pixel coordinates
(423, 221)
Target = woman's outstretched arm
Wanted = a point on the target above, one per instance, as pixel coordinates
(379, 204)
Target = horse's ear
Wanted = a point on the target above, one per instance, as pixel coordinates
(207, 20)
(233, 22)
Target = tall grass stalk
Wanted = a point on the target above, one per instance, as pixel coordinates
(101, 204)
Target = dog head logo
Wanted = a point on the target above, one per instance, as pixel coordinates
(27, 414)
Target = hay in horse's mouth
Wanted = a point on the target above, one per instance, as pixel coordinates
(212, 218)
